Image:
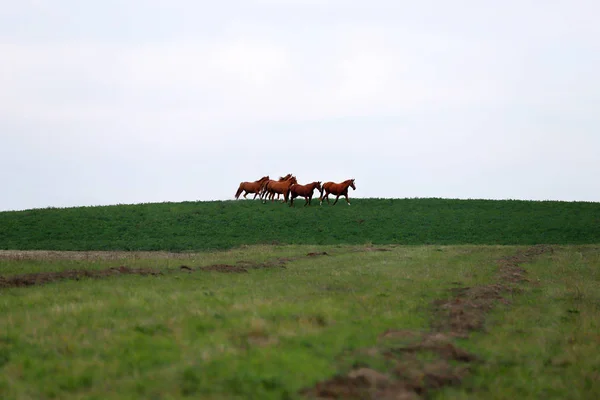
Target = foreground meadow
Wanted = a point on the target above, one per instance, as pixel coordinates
(297, 321)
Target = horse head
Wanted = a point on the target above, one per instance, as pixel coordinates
(318, 186)
(352, 184)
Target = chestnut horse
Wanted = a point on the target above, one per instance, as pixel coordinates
(338, 189)
(305, 191)
(264, 189)
(251, 187)
(280, 187)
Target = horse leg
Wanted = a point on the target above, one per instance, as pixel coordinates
(345, 193)
(336, 199)
(262, 191)
(264, 195)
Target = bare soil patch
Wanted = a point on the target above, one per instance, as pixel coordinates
(412, 374)
(371, 248)
(42, 278)
(241, 266)
(409, 378)
(224, 268)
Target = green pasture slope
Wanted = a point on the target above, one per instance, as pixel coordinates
(225, 224)
(271, 332)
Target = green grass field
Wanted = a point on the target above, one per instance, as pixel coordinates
(195, 226)
(414, 298)
(271, 331)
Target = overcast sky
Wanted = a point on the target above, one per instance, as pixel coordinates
(134, 101)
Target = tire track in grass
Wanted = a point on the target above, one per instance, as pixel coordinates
(421, 362)
(43, 278)
(242, 266)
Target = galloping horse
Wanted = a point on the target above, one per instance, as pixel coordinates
(264, 189)
(305, 191)
(338, 189)
(280, 187)
(251, 187)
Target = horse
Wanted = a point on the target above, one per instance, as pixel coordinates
(264, 189)
(251, 187)
(305, 191)
(280, 187)
(338, 189)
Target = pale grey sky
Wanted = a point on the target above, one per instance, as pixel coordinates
(134, 101)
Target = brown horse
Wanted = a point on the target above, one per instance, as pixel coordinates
(305, 191)
(338, 189)
(251, 187)
(280, 187)
(264, 189)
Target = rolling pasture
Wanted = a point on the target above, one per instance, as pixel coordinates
(387, 298)
(198, 226)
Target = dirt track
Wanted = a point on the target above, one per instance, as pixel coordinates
(412, 378)
(42, 278)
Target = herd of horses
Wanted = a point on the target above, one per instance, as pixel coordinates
(289, 187)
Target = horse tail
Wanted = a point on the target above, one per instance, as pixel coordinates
(239, 191)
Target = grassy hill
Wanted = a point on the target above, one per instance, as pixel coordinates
(225, 224)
